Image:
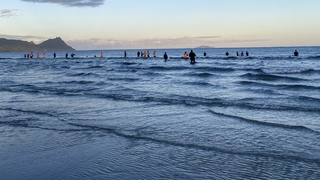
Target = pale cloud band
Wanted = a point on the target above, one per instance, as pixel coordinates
(7, 12)
(71, 3)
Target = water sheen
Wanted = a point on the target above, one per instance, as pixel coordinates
(254, 117)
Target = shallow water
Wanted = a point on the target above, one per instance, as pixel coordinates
(253, 117)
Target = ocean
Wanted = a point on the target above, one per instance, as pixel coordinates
(116, 117)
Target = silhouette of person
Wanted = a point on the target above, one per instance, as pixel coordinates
(154, 54)
(247, 53)
(54, 55)
(125, 53)
(296, 53)
(227, 53)
(242, 53)
(165, 56)
(101, 55)
(237, 53)
(67, 55)
(72, 55)
(148, 53)
(28, 55)
(138, 54)
(192, 56)
(204, 54)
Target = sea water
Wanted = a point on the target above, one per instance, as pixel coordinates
(235, 117)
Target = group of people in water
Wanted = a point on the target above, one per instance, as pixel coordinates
(191, 55)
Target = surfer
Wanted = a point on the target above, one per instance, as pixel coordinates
(227, 53)
(165, 56)
(204, 54)
(296, 53)
(192, 56)
(125, 53)
(54, 55)
(247, 53)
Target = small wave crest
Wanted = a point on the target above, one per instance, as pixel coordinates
(263, 123)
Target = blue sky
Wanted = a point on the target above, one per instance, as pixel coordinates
(136, 24)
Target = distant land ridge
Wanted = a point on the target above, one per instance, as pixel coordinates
(56, 44)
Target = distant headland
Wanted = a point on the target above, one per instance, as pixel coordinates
(204, 47)
(56, 44)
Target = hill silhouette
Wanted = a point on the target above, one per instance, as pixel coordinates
(56, 44)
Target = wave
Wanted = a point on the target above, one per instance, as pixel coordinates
(289, 71)
(280, 86)
(270, 77)
(71, 126)
(263, 123)
(117, 132)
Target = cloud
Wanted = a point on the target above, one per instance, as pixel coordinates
(150, 43)
(71, 3)
(7, 12)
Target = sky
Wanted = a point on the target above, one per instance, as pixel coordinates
(149, 24)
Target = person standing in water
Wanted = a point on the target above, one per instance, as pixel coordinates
(296, 53)
(185, 55)
(154, 54)
(227, 53)
(54, 55)
(204, 54)
(101, 55)
(125, 53)
(192, 56)
(165, 56)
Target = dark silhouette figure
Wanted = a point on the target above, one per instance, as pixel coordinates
(165, 56)
(247, 53)
(138, 54)
(67, 55)
(242, 53)
(192, 56)
(54, 55)
(204, 54)
(28, 55)
(227, 53)
(237, 53)
(296, 53)
(125, 53)
(31, 55)
(72, 55)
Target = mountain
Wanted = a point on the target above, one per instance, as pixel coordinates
(56, 44)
